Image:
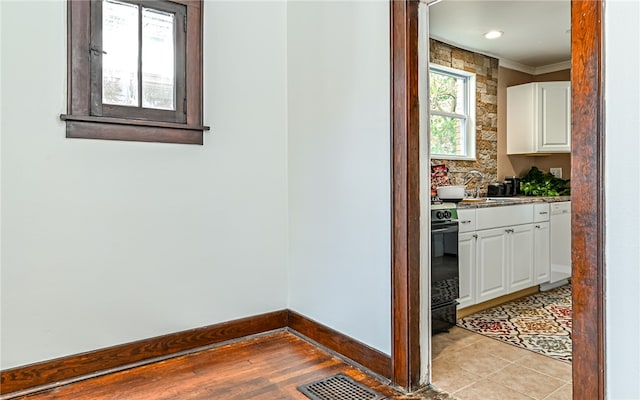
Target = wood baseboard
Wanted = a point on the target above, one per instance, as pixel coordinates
(124, 356)
(350, 348)
(23, 380)
(464, 312)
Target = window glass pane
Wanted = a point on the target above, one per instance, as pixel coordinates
(447, 93)
(158, 65)
(120, 57)
(447, 136)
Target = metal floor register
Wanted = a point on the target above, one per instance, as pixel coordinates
(339, 387)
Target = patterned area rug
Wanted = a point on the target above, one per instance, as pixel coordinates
(540, 323)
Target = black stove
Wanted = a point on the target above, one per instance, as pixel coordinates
(445, 288)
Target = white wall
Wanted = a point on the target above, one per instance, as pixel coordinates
(339, 167)
(622, 116)
(108, 242)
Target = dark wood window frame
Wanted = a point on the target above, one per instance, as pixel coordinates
(82, 120)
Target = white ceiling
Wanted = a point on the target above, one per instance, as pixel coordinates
(536, 38)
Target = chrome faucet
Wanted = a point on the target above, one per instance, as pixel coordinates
(471, 175)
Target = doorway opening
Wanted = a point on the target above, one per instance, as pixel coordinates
(503, 324)
(587, 228)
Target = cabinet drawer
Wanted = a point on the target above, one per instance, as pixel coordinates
(541, 212)
(467, 220)
(496, 217)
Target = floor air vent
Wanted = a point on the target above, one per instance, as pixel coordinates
(339, 387)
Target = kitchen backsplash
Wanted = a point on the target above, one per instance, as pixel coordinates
(486, 70)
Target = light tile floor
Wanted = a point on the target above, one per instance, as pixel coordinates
(474, 367)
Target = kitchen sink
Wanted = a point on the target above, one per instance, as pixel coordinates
(502, 198)
(490, 199)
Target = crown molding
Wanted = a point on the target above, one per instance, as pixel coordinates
(561, 66)
(545, 69)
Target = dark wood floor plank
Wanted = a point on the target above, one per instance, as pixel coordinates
(266, 367)
(126, 355)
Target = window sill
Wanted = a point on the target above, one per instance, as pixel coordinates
(91, 127)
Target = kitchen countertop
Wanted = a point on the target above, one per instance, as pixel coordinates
(511, 201)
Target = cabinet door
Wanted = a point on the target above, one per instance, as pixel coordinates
(541, 255)
(491, 276)
(560, 242)
(520, 257)
(554, 117)
(521, 119)
(467, 267)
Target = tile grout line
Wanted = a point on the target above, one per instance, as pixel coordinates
(526, 353)
(527, 394)
(481, 377)
(545, 374)
(500, 385)
(518, 360)
(557, 390)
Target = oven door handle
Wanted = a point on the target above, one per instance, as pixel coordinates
(449, 229)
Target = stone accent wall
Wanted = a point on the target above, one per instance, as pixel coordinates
(486, 70)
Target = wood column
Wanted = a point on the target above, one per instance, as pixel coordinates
(587, 199)
(405, 280)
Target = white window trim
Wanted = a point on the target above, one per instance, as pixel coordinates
(470, 105)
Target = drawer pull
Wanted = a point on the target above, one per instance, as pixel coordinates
(543, 212)
(467, 221)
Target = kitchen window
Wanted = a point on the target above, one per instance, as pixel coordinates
(452, 113)
(135, 70)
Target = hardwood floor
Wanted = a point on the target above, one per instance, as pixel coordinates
(264, 367)
(272, 366)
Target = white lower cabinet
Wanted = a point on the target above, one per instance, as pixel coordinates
(491, 277)
(467, 268)
(541, 253)
(498, 260)
(520, 257)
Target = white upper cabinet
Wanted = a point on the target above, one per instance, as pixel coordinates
(539, 118)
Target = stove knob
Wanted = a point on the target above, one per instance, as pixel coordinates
(447, 214)
(439, 215)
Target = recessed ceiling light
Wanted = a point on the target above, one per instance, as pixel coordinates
(493, 34)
